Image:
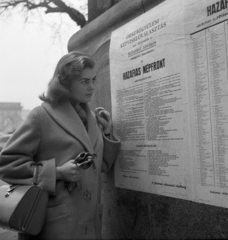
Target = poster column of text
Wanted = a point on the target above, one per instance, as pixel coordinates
(209, 65)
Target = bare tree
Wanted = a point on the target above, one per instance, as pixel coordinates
(49, 6)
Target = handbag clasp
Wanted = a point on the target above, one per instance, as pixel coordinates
(7, 194)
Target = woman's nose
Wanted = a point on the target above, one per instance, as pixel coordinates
(91, 85)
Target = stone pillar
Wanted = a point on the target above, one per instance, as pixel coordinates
(130, 214)
(97, 7)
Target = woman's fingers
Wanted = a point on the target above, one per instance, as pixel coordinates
(101, 114)
(105, 114)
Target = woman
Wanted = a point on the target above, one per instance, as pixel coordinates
(54, 134)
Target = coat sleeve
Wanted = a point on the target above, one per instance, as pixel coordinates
(17, 157)
(110, 152)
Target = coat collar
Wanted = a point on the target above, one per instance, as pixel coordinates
(65, 115)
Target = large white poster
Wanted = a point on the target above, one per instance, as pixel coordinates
(169, 86)
(149, 98)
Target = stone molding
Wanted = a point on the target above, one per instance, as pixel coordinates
(113, 18)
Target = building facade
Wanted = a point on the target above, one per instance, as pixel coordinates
(10, 116)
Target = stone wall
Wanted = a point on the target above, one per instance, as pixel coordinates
(130, 214)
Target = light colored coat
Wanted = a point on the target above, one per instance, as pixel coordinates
(53, 136)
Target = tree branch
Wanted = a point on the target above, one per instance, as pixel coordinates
(54, 10)
(73, 13)
(61, 7)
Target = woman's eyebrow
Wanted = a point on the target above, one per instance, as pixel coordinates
(94, 78)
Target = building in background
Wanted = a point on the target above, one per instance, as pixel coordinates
(10, 116)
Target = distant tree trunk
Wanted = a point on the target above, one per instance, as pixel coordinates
(97, 7)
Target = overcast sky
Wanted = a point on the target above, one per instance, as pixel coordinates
(28, 56)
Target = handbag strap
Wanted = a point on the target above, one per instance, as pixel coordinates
(35, 173)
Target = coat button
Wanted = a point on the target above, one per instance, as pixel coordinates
(87, 195)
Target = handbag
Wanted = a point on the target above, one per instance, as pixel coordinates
(23, 207)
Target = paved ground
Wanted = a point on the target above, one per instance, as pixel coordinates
(5, 234)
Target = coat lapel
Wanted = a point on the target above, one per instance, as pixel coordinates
(65, 115)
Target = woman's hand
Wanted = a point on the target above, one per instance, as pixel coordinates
(69, 172)
(104, 119)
